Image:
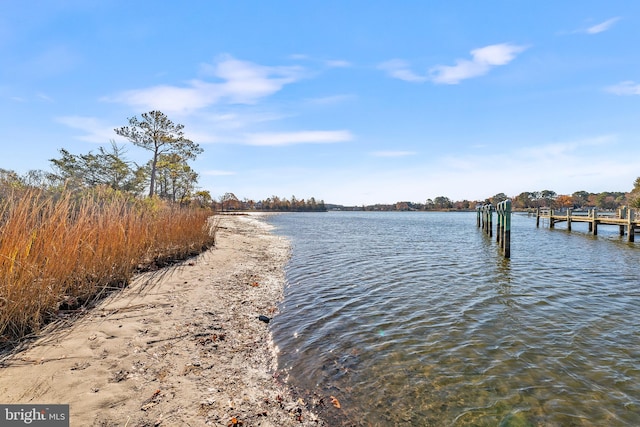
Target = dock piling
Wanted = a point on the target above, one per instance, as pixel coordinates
(503, 224)
(504, 229)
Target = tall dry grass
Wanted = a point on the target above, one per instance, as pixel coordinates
(60, 251)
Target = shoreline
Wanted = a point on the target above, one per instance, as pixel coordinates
(183, 345)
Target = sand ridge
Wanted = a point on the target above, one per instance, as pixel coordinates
(182, 346)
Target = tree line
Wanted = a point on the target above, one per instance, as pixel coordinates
(607, 200)
(229, 202)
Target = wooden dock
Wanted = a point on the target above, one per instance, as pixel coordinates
(625, 219)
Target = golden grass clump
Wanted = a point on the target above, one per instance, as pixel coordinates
(61, 251)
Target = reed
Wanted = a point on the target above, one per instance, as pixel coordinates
(61, 251)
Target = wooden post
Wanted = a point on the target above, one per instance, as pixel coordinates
(503, 209)
(595, 222)
(490, 213)
(478, 212)
(503, 227)
(569, 219)
(631, 227)
(538, 217)
(621, 214)
(552, 224)
(506, 239)
(485, 218)
(498, 223)
(591, 221)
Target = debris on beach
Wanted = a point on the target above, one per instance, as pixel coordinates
(335, 402)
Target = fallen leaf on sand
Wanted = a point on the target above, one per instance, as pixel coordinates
(335, 402)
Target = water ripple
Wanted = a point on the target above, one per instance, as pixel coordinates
(416, 319)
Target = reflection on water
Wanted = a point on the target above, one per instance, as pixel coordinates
(415, 319)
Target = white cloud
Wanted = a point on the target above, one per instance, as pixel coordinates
(400, 69)
(246, 82)
(302, 137)
(94, 130)
(242, 82)
(331, 63)
(483, 60)
(563, 167)
(555, 151)
(170, 99)
(331, 99)
(337, 63)
(604, 26)
(393, 153)
(625, 88)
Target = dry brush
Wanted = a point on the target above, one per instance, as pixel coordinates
(62, 251)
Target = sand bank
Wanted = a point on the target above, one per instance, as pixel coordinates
(182, 346)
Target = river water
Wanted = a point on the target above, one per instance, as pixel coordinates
(415, 319)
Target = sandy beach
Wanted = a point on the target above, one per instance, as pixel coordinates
(182, 346)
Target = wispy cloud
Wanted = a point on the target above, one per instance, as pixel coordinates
(331, 99)
(625, 88)
(554, 151)
(44, 97)
(399, 69)
(94, 130)
(301, 137)
(393, 153)
(602, 27)
(242, 82)
(330, 63)
(337, 63)
(482, 60)
(235, 119)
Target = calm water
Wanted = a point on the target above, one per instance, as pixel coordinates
(415, 319)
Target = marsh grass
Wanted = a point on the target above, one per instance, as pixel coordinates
(58, 252)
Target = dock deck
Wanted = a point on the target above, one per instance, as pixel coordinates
(625, 219)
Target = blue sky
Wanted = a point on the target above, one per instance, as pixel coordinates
(353, 102)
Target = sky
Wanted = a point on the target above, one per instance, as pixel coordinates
(351, 102)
